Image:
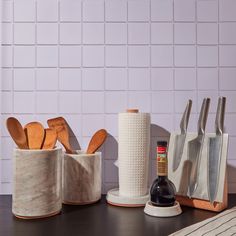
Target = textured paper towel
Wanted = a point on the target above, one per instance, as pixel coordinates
(134, 144)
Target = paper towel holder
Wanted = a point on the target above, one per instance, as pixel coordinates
(137, 199)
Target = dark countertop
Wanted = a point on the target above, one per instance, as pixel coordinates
(99, 219)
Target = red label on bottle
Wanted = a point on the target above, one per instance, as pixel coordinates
(162, 166)
(161, 149)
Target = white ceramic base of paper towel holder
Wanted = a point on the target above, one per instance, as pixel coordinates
(162, 211)
(114, 198)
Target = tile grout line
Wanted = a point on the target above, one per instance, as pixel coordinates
(1, 86)
(173, 67)
(196, 63)
(104, 69)
(127, 56)
(58, 53)
(13, 52)
(150, 86)
(104, 62)
(218, 47)
(82, 69)
(36, 61)
(130, 21)
(150, 56)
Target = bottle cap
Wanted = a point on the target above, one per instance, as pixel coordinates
(162, 143)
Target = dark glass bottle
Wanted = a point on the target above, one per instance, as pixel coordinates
(162, 192)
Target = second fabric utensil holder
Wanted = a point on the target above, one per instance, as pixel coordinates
(36, 183)
(82, 178)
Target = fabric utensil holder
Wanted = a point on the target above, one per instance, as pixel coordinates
(82, 178)
(36, 183)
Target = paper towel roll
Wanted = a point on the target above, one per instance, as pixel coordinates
(133, 153)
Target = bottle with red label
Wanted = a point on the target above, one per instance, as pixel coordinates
(162, 192)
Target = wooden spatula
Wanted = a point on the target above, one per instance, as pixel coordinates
(35, 135)
(17, 133)
(96, 141)
(60, 126)
(50, 139)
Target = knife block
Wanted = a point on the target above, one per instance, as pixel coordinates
(36, 183)
(204, 204)
(180, 176)
(82, 178)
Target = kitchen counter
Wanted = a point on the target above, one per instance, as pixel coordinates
(99, 219)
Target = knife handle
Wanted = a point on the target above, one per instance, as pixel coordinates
(220, 115)
(203, 116)
(185, 118)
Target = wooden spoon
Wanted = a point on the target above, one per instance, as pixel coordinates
(17, 133)
(96, 141)
(35, 134)
(60, 126)
(50, 139)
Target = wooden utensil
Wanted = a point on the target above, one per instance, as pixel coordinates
(35, 135)
(50, 139)
(96, 141)
(17, 133)
(60, 126)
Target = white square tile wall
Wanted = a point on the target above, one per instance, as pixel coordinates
(47, 33)
(88, 60)
(185, 33)
(116, 33)
(70, 33)
(70, 10)
(7, 33)
(28, 37)
(93, 33)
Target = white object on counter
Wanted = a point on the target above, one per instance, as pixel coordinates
(114, 198)
(36, 183)
(222, 224)
(82, 178)
(180, 176)
(133, 153)
(162, 211)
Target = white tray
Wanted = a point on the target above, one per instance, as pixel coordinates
(162, 211)
(114, 198)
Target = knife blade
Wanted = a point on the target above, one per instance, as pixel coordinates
(215, 149)
(180, 138)
(195, 147)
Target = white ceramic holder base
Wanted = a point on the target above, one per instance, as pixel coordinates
(162, 211)
(114, 198)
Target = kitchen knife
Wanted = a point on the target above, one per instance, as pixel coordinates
(195, 147)
(215, 149)
(180, 138)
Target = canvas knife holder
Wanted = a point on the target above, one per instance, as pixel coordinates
(180, 177)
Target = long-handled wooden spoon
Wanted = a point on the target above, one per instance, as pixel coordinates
(96, 141)
(60, 126)
(35, 134)
(50, 139)
(17, 133)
